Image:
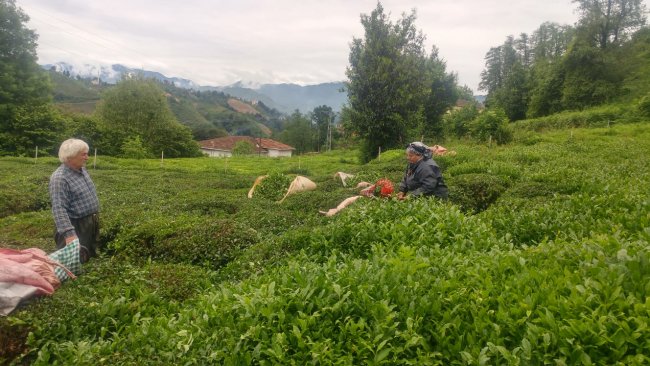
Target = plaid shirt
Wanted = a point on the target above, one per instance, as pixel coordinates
(73, 196)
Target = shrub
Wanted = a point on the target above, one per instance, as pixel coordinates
(195, 240)
(491, 125)
(644, 106)
(476, 192)
(132, 148)
(243, 147)
(423, 222)
(457, 123)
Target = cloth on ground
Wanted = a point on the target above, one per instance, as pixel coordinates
(440, 150)
(299, 184)
(344, 177)
(70, 259)
(26, 273)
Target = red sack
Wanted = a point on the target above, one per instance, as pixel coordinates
(382, 188)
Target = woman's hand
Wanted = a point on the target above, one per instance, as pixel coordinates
(401, 196)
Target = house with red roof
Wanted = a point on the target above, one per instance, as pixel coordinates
(223, 146)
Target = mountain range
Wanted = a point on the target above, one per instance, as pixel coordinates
(285, 98)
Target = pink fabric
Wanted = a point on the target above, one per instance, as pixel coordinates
(29, 267)
(345, 203)
(440, 150)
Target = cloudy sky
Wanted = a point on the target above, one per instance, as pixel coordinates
(219, 42)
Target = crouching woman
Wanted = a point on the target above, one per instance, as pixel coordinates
(423, 176)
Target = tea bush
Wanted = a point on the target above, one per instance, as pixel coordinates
(24, 187)
(413, 304)
(602, 116)
(474, 193)
(188, 239)
(389, 223)
(553, 271)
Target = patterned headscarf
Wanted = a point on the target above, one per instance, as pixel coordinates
(419, 148)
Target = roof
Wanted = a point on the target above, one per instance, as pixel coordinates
(228, 143)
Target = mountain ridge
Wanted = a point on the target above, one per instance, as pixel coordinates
(284, 97)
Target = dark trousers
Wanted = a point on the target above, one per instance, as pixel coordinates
(87, 229)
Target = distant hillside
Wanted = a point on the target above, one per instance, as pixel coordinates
(284, 97)
(207, 113)
(72, 90)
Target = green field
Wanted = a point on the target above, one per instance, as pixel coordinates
(540, 257)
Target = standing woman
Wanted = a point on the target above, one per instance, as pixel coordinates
(75, 205)
(423, 176)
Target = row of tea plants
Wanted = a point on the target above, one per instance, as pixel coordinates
(541, 256)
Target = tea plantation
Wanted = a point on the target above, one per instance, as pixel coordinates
(541, 257)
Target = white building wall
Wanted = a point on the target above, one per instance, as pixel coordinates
(217, 153)
(279, 153)
(226, 154)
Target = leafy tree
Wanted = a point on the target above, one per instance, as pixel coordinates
(505, 77)
(243, 148)
(27, 119)
(442, 95)
(323, 117)
(465, 93)
(550, 41)
(635, 65)
(83, 127)
(298, 133)
(512, 96)
(134, 149)
(137, 107)
(457, 123)
(545, 90)
(385, 86)
(491, 125)
(610, 22)
(546, 75)
(590, 76)
(29, 127)
(499, 61)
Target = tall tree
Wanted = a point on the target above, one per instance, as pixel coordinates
(610, 22)
(298, 133)
(442, 95)
(385, 84)
(545, 89)
(550, 41)
(505, 77)
(27, 119)
(138, 107)
(546, 75)
(322, 116)
(591, 76)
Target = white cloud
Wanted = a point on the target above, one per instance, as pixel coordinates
(220, 42)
